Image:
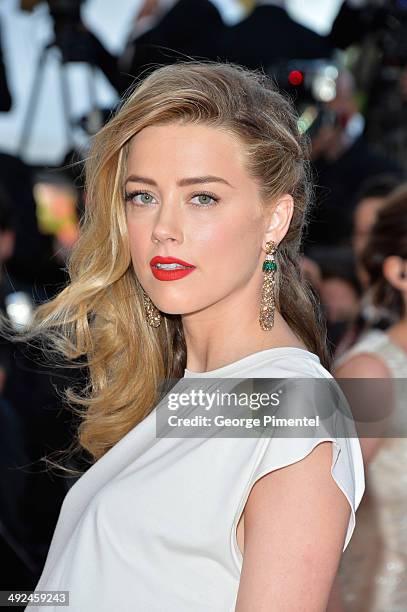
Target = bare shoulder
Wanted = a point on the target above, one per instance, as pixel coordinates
(362, 365)
(296, 519)
(372, 405)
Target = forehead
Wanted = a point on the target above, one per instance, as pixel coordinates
(189, 145)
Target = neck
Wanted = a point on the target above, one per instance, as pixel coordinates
(229, 330)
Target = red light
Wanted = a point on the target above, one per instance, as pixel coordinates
(295, 77)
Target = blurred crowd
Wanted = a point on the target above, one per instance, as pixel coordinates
(350, 87)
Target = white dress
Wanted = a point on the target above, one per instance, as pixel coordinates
(151, 526)
(374, 568)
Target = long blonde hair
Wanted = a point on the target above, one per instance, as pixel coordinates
(98, 321)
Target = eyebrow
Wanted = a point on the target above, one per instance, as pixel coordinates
(182, 182)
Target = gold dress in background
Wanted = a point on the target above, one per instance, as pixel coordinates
(373, 570)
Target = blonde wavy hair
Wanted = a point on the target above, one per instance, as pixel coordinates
(98, 320)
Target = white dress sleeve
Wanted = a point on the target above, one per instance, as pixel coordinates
(346, 466)
(282, 448)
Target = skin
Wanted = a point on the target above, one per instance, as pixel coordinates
(219, 300)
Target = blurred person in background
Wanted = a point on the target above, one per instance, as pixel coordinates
(187, 28)
(331, 273)
(340, 294)
(373, 194)
(368, 201)
(269, 34)
(342, 162)
(170, 30)
(374, 568)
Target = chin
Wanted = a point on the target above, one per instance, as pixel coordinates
(169, 308)
(176, 309)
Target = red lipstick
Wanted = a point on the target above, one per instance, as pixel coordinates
(173, 272)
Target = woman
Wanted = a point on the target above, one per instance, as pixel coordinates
(374, 568)
(187, 267)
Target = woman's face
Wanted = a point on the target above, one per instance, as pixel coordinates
(189, 196)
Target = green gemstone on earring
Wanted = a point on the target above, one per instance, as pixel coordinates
(269, 265)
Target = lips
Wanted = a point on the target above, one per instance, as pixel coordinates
(170, 274)
(169, 260)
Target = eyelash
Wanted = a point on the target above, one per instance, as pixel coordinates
(129, 196)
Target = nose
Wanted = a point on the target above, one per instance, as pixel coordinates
(168, 224)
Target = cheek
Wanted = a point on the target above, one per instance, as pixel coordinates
(231, 245)
(138, 240)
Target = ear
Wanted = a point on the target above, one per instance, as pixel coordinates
(279, 218)
(395, 272)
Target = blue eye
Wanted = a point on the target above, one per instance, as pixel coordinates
(131, 197)
(207, 199)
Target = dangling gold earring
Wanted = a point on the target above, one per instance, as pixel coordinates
(267, 302)
(152, 313)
